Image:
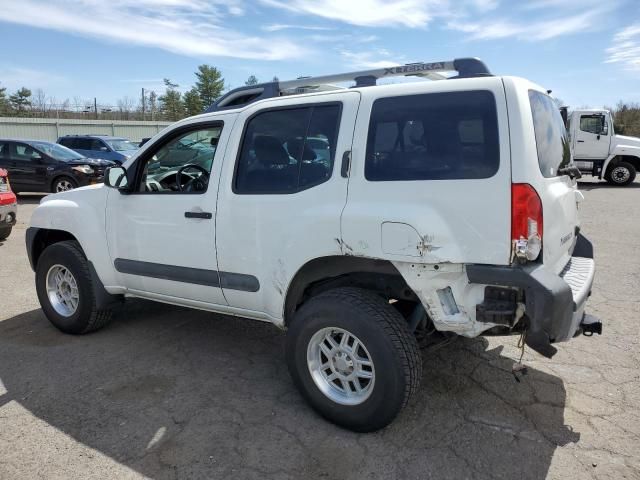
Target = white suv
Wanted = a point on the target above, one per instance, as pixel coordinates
(363, 221)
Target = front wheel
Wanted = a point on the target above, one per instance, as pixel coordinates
(66, 291)
(5, 232)
(63, 184)
(353, 358)
(622, 173)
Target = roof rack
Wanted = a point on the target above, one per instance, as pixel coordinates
(465, 68)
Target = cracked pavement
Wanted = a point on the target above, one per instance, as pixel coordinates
(166, 392)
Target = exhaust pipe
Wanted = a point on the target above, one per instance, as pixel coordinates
(590, 325)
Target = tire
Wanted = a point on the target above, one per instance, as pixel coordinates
(381, 331)
(85, 317)
(63, 184)
(621, 173)
(5, 232)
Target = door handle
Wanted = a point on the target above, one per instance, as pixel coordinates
(346, 164)
(580, 141)
(205, 215)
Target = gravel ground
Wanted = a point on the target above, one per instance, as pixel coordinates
(166, 392)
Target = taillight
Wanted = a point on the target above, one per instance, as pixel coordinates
(526, 221)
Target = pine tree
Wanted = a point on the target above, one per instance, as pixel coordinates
(21, 100)
(209, 84)
(252, 80)
(192, 103)
(171, 102)
(4, 103)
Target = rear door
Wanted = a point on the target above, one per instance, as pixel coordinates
(430, 177)
(28, 169)
(558, 192)
(281, 194)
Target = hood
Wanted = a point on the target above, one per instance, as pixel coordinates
(631, 141)
(94, 162)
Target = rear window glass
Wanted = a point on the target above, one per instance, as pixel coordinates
(435, 136)
(552, 140)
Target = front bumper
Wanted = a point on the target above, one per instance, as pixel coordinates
(8, 214)
(554, 304)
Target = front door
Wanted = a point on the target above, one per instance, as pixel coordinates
(592, 137)
(161, 236)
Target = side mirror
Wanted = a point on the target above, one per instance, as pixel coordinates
(116, 177)
(103, 149)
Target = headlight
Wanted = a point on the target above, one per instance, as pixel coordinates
(86, 169)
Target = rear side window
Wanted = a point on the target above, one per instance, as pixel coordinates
(287, 150)
(552, 140)
(67, 142)
(435, 136)
(82, 143)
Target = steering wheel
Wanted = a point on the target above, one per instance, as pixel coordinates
(195, 184)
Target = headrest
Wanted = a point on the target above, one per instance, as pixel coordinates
(294, 145)
(269, 151)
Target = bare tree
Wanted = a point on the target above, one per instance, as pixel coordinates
(126, 105)
(78, 104)
(39, 101)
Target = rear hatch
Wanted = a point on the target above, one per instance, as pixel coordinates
(557, 190)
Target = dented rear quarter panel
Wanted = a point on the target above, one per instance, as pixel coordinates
(436, 221)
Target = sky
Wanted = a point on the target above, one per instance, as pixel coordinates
(586, 51)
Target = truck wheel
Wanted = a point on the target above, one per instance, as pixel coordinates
(65, 290)
(353, 358)
(63, 184)
(5, 232)
(622, 173)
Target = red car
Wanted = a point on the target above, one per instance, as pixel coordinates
(8, 205)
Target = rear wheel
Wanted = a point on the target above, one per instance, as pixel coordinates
(63, 184)
(353, 358)
(65, 289)
(621, 173)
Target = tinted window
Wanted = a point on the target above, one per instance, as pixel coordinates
(435, 136)
(4, 149)
(23, 152)
(83, 143)
(552, 141)
(288, 150)
(593, 124)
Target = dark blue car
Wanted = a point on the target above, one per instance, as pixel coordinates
(117, 149)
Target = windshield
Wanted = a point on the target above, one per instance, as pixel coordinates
(121, 145)
(57, 152)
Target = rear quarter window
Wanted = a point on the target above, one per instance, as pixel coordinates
(434, 136)
(552, 141)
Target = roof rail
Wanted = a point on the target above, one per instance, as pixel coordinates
(465, 67)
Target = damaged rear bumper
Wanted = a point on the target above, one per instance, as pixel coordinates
(554, 303)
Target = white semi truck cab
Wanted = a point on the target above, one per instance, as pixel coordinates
(598, 151)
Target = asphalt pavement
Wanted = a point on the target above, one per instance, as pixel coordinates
(166, 392)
